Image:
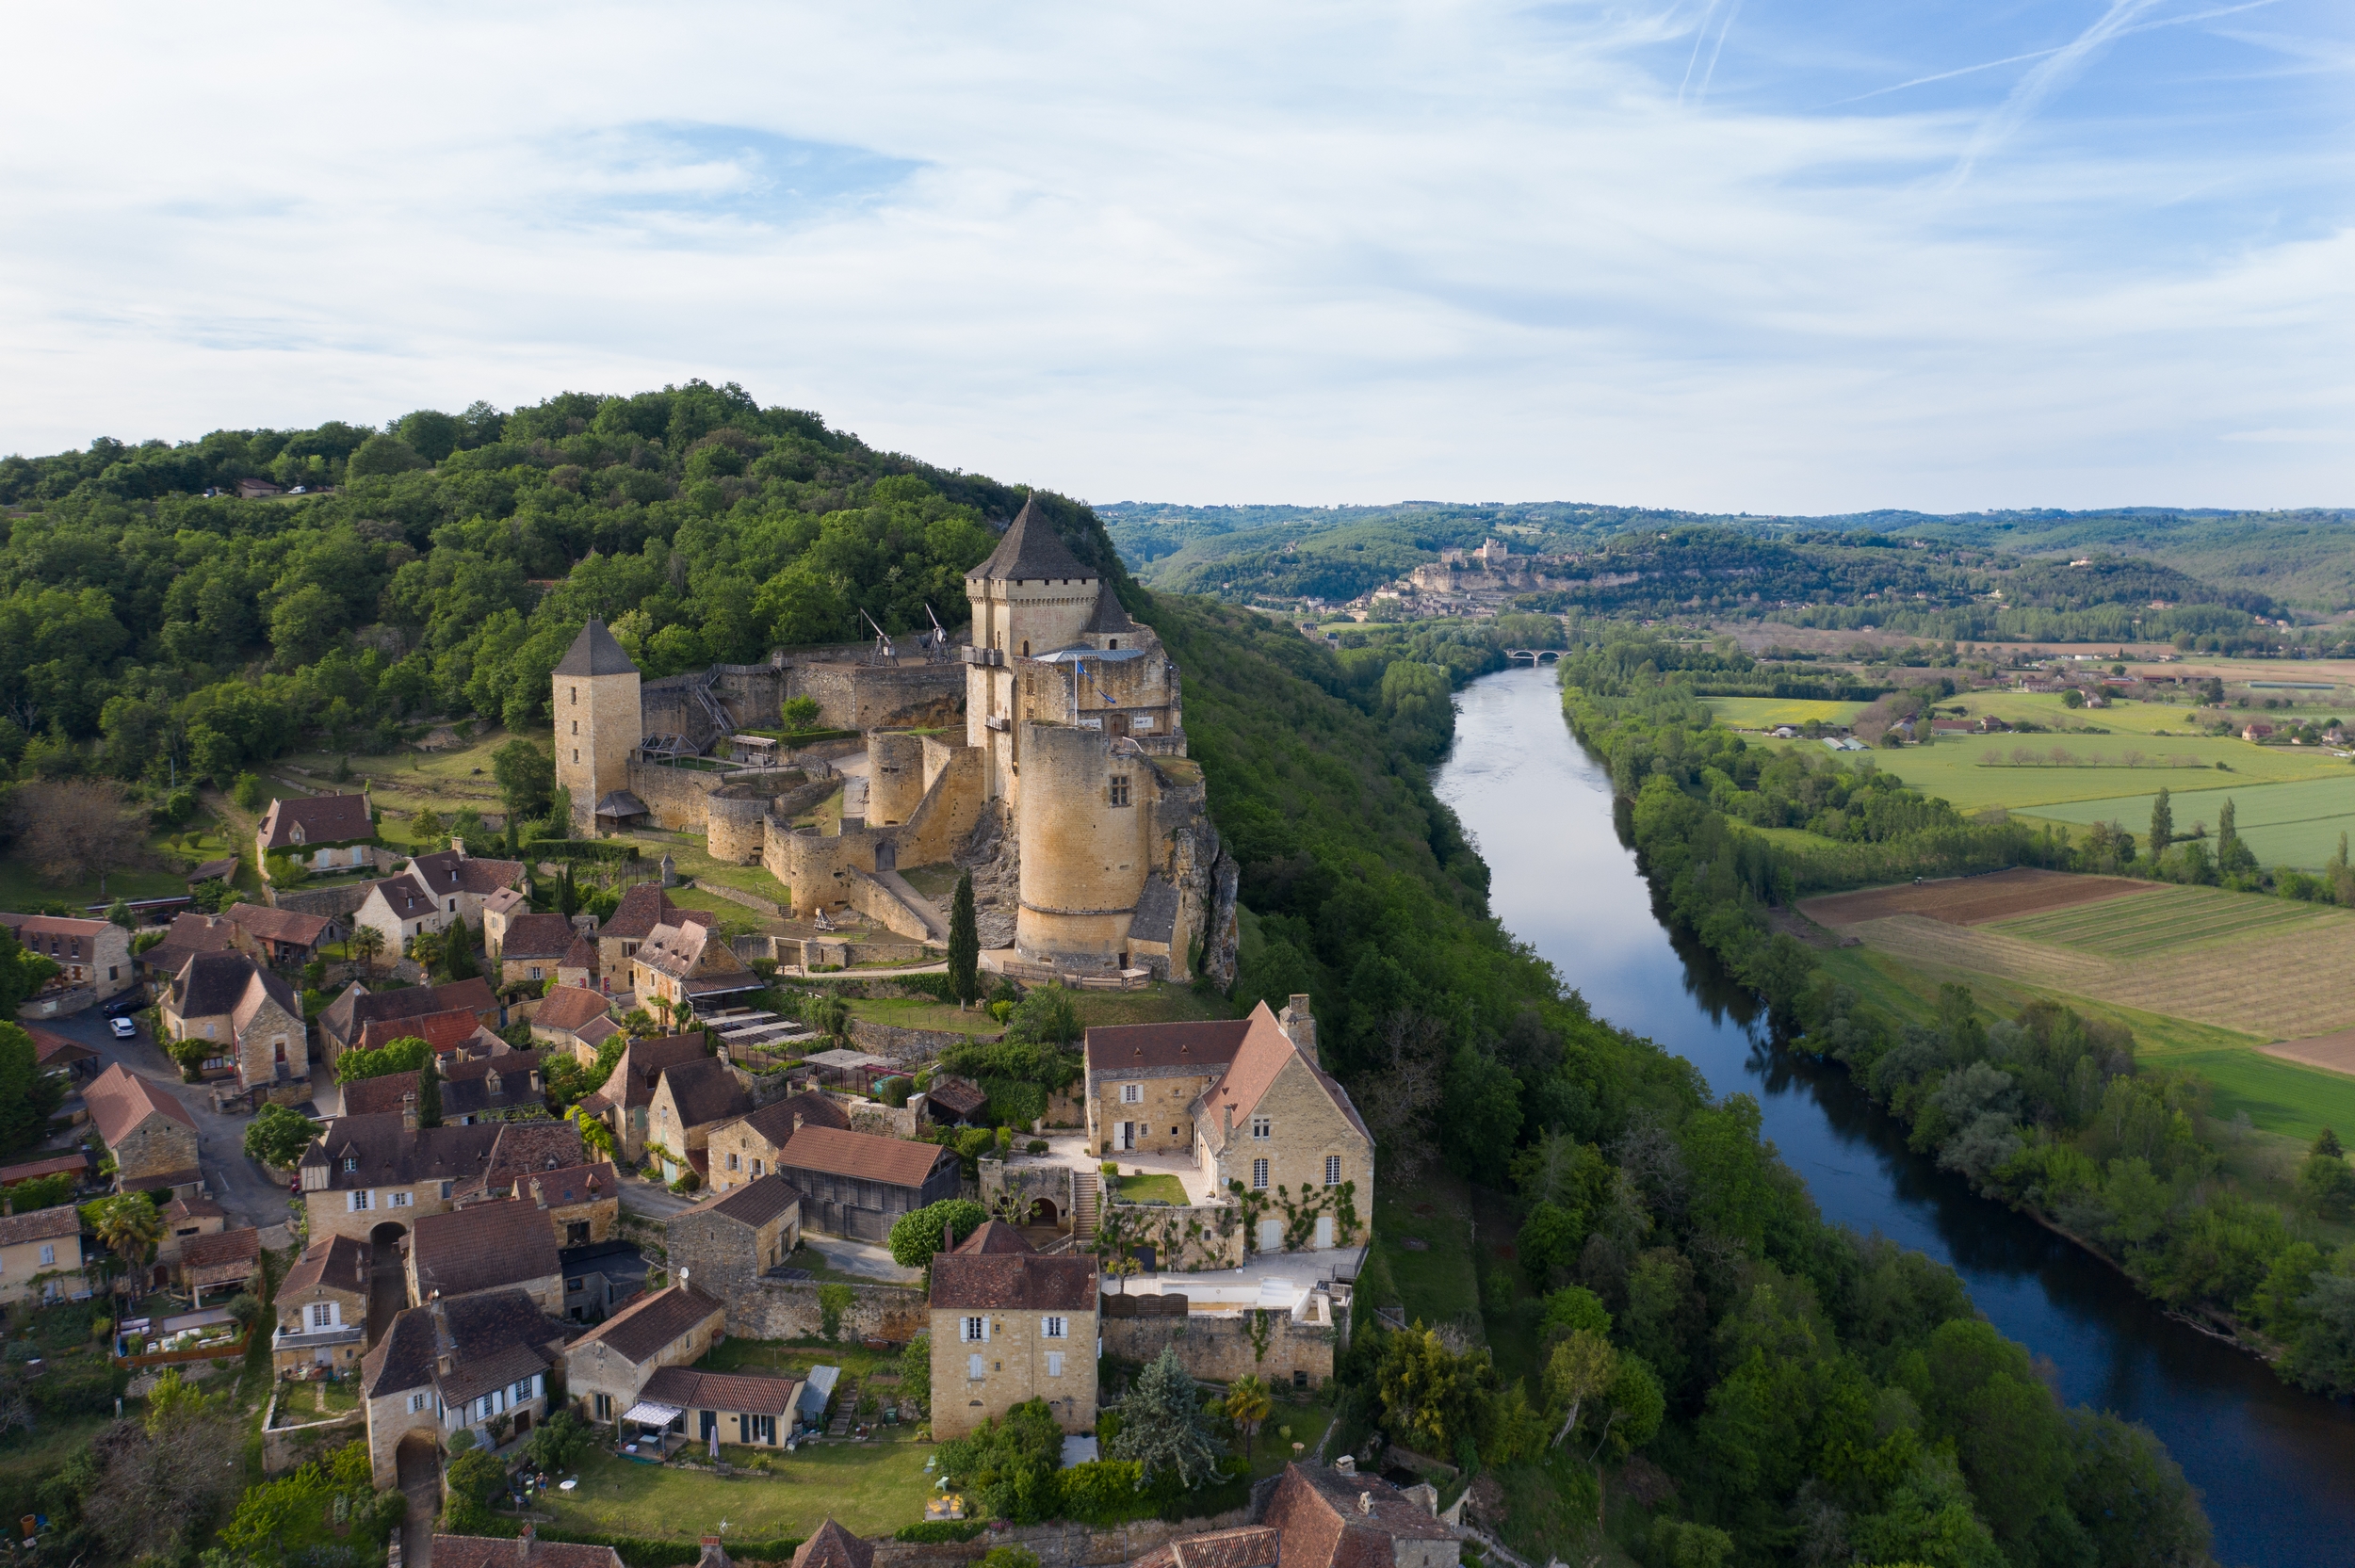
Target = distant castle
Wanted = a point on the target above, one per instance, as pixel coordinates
(1058, 774)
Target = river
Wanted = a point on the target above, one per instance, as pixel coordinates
(2276, 1468)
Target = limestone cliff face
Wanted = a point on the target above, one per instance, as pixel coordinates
(992, 852)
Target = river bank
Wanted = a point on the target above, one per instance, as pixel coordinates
(2274, 1465)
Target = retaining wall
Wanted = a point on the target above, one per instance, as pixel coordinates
(789, 1309)
(1216, 1347)
(903, 1045)
(284, 1448)
(333, 902)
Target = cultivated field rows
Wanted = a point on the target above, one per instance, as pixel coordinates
(2170, 919)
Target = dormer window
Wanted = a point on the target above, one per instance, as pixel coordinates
(351, 1162)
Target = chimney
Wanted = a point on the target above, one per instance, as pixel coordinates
(1365, 1504)
(715, 1555)
(948, 1238)
(537, 1196)
(1346, 1464)
(408, 1110)
(535, 1080)
(1300, 1027)
(523, 1542)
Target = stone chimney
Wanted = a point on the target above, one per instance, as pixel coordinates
(537, 1196)
(535, 1080)
(715, 1555)
(1365, 1503)
(456, 846)
(523, 1542)
(1346, 1464)
(408, 1110)
(1300, 1027)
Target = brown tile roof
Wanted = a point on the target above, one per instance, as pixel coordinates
(465, 1086)
(774, 1121)
(193, 1209)
(537, 936)
(1317, 1511)
(265, 985)
(56, 1050)
(483, 1247)
(215, 870)
(679, 951)
(523, 1147)
(77, 1162)
(1208, 1045)
(338, 1262)
(41, 1224)
(451, 872)
(582, 954)
(641, 1066)
(323, 819)
(1244, 1547)
(755, 1203)
(189, 933)
(642, 1328)
(568, 1006)
(568, 1185)
(220, 1258)
(642, 907)
(444, 1031)
(689, 1389)
(1032, 550)
(959, 1098)
(210, 985)
(404, 897)
(505, 902)
(1021, 1281)
(55, 935)
(385, 1153)
(481, 1551)
(482, 1335)
(831, 1546)
(994, 1238)
(861, 1155)
(118, 1100)
(278, 925)
(705, 1090)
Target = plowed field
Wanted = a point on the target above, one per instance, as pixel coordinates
(1971, 901)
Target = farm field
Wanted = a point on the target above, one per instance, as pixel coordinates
(2166, 920)
(1765, 713)
(1969, 900)
(1953, 769)
(2295, 824)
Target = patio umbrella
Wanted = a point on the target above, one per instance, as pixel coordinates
(715, 1444)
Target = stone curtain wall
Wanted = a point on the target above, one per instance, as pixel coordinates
(1218, 1347)
(872, 697)
(905, 1047)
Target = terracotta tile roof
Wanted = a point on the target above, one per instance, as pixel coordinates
(1032, 550)
(264, 985)
(831, 1546)
(1017, 1281)
(507, 900)
(568, 1006)
(444, 1031)
(220, 1258)
(193, 1209)
(55, 1050)
(1266, 1051)
(722, 1392)
(706, 1091)
(1206, 1046)
(1317, 1511)
(994, 1238)
(118, 1100)
(755, 1203)
(338, 1262)
(41, 1224)
(582, 954)
(189, 933)
(774, 1121)
(451, 872)
(77, 1162)
(323, 819)
(481, 1551)
(210, 985)
(483, 1247)
(57, 936)
(640, 1330)
(861, 1155)
(1244, 1547)
(537, 936)
(278, 925)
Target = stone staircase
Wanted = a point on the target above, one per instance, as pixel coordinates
(1087, 1202)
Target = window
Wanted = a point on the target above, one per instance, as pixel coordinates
(1263, 1127)
(974, 1330)
(1332, 1170)
(576, 753)
(359, 1199)
(110, 971)
(973, 1367)
(1054, 1364)
(575, 726)
(416, 1403)
(445, 1191)
(575, 697)
(397, 1200)
(535, 971)
(322, 1315)
(605, 1407)
(1120, 789)
(521, 1393)
(1132, 1093)
(755, 1165)
(731, 1162)
(453, 906)
(1258, 1176)
(1054, 1327)
(48, 1255)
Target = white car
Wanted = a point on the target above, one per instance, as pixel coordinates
(124, 1027)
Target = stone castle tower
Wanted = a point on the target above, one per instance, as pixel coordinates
(597, 722)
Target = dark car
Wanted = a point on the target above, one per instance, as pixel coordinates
(124, 1006)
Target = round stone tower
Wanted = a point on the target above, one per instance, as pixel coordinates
(895, 776)
(1085, 823)
(733, 817)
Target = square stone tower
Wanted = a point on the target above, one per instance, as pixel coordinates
(1030, 597)
(597, 719)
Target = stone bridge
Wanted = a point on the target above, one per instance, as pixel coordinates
(1534, 655)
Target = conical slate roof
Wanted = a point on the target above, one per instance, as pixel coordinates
(595, 652)
(1109, 616)
(1032, 550)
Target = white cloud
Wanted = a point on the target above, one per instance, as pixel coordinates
(1196, 254)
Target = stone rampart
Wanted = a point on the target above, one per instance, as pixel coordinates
(734, 828)
(876, 697)
(790, 1309)
(1216, 1347)
(955, 779)
(883, 904)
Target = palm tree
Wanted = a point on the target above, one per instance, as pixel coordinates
(129, 1225)
(365, 943)
(1248, 1404)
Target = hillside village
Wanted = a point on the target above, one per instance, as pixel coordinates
(507, 1166)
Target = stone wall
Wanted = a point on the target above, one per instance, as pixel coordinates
(752, 902)
(895, 778)
(874, 697)
(734, 824)
(905, 1047)
(1184, 1240)
(334, 902)
(789, 1309)
(956, 791)
(883, 904)
(1028, 1185)
(284, 1448)
(1069, 1546)
(881, 1121)
(1216, 1347)
(673, 796)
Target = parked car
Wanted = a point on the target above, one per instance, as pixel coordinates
(124, 1028)
(124, 1006)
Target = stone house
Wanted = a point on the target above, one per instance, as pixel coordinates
(532, 946)
(484, 1246)
(251, 1013)
(1008, 1327)
(371, 1177)
(749, 1410)
(397, 909)
(460, 883)
(858, 1185)
(686, 964)
(92, 953)
(322, 1308)
(344, 1020)
(40, 1254)
(223, 1263)
(281, 937)
(689, 1099)
(455, 1035)
(189, 933)
(606, 1368)
(499, 909)
(728, 1242)
(151, 1134)
(579, 967)
(325, 832)
(184, 1219)
(624, 1101)
(745, 1150)
(1142, 1080)
(583, 1203)
(474, 1089)
(642, 907)
(526, 1551)
(457, 1364)
(577, 1018)
(1277, 1125)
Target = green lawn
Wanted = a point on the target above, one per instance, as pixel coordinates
(22, 887)
(1158, 1186)
(2298, 823)
(1437, 1284)
(910, 1013)
(732, 919)
(795, 1360)
(1952, 768)
(871, 1488)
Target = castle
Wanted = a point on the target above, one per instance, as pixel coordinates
(1058, 774)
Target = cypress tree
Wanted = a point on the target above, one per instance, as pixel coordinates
(2162, 826)
(965, 945)
(429, 1093)
(567, 896)
(458, 953)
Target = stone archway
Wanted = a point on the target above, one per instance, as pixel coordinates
(1043, 1213)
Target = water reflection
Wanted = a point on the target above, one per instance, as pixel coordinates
(2274, 1465)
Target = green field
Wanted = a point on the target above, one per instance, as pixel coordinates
(1953, 770)
(2166, 919)
(1765, 713)
(2286, 824)
(872, 1488)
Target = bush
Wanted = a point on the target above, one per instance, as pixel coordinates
(916, 1235)
(85, 1390)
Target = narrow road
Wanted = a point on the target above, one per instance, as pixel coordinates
(420, 1479)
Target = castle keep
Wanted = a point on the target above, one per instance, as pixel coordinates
(1062, 783)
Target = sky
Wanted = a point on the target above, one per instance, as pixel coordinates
(1764, 255)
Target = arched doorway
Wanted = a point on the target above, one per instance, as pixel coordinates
(387, 1237)
(1043, 1213)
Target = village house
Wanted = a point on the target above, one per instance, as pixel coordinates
(250, 1012)
(576, 1019)
(1142, 1080)
(728, 1242)
(185, 1217)
(40, 1254)
(397, 910)
(461, 883)
(582, 1202)
(1007, 1327)
(750, 1410)
(93, 954)
(1278, 1124)
(477, 1363)
(642, 907)
(323, 832)
(690, 1098)
(371, 1177)
(322, 1308)
(531, 947)
(501, 1088)
(606, 1367)
(746, 1149)
(1321, 1517)
(223, 1263)
(625, 1098)
(454, 1035)
(579, 967)
(189, 933)
(342, 1021)
(281, 937)
(149, 1132)
(687, 964)
(488, 1246)
(498, 911)
(858, 1185)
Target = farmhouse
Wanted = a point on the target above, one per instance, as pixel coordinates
(41, 1254)
(689, 1099)
(746, 1149)
(322, 833)
(858, 1185)
(250, 1012)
